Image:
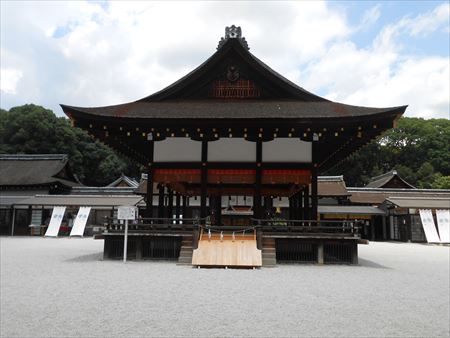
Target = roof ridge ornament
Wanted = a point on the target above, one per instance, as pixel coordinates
(233, 32)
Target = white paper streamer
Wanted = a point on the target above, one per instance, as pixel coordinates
(55, 222)
(443, 220)
(428, 226)
(80, 221)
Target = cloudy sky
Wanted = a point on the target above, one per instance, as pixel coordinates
(93, 53)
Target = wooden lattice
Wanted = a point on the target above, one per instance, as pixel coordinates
(241, 89)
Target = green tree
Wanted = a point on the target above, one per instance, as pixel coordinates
(406, 173)
(419, 149)
(441, 182)
(425, 176)
(31, 129)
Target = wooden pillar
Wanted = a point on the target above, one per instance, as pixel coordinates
(42, 215)
(270, 206)
(30, 214)
(160, 201)
(297, 206)
(320, 253)
(204, 180)
(178, 206)
(314, 198)
(106, 248)
(291, 207)
(149, 193)
(301, 210)
(169, 203)
(13, 219)
(184, 210)
(372, 228)
(218, 210)
(267, 206)
(409, 227)
(138, 248)
(258, 181)
(307, 205)
(355, 252)
(383, 220)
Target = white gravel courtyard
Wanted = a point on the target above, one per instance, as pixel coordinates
(62, 288)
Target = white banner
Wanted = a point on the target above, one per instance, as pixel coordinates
(428, 226)
(443, 220)
(55, 222)
(80, 221)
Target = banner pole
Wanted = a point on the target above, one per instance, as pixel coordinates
(125, 242)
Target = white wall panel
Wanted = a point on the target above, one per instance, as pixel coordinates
(231, 150)
(178, 149)
(287, 150)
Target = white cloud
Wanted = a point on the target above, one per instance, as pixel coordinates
(381, 75)
(429, 22)
(9, 79)
(84, 54)
(370, 16)
(420, 25)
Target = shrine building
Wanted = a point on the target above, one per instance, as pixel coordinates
(221, 146)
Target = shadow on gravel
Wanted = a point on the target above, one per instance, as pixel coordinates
(369, 264)
(87, 258)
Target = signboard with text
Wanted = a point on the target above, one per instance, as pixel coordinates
(126, 212)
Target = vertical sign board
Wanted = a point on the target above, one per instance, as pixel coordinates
(55, 222)
(80, 222)
(428, 226)
(443, 219)
(126, 213)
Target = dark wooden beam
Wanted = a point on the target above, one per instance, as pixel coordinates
(170, 203)
(314, 198)
(177, 205)
(161, 201)
(258, 181)
(204, 179)
(149, 194)
(307, 204)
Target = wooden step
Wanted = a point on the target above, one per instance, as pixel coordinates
(185, 257)
(227, 253)
(269, 255)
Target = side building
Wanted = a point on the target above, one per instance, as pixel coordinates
(32, 185)
(23, 176)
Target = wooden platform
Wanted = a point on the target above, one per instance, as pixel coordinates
(215, 251)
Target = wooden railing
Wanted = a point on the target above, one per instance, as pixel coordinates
(306, 227)
(154, 224)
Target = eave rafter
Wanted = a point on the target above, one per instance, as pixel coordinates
(333, 141)
(283, 110)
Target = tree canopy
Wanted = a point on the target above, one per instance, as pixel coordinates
(31, 129)
(418, 149)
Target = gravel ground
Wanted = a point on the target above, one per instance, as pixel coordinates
(61, 287)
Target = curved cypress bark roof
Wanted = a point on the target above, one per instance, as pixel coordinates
(236, 109)
(234, 94)
(42, 169)
(390, 179)
(187, 98)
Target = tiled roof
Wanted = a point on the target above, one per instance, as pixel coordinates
(25, 170)
(382, 180)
